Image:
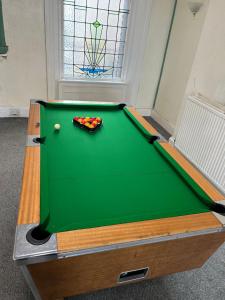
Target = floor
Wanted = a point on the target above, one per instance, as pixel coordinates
(206, 283)
(159, 128)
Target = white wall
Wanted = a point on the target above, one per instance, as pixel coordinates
(208, 71)
(183, 43)
(23, 74)
(160, 17)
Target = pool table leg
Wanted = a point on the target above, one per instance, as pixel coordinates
(30, 282)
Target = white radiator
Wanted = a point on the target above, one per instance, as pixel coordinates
(201, 138)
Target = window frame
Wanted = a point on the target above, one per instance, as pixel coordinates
(122, 79)
(133, 54)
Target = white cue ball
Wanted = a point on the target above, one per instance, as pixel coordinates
(57, 126)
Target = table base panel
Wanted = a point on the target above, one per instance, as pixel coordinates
(87, 273)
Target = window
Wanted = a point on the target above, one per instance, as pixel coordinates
(94, 38)
(95, 48)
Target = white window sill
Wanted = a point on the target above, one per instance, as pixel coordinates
(90, 81)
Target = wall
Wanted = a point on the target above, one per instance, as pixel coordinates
(208, 71)
(160, 17)
(23, 74)
(183, 43)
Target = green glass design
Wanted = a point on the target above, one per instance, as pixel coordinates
(96, 24)
(94, 51)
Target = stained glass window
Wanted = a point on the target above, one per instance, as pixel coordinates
(94, 37)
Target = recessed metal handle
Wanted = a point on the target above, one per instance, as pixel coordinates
(133, 275)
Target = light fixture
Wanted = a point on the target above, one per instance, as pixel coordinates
(195, 6)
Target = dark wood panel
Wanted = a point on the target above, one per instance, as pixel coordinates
(67, 277)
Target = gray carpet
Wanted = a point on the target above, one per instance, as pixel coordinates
(12, 140)
(158, 127)
(207, 283)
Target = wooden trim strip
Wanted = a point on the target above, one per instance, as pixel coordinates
(122, 233)
(193, 172)
(142, 121)
(29, 208)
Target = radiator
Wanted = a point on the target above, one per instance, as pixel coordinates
(201, 138)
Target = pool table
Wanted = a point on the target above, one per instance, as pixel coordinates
(111, 206)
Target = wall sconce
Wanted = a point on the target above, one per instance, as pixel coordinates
(195, 6)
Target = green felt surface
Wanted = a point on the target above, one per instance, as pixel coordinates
(108, 177)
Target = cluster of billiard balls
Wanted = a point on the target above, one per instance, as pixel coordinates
(90, 123)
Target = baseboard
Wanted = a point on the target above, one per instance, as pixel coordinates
(164, 123)
(14, 112)
(144, 111)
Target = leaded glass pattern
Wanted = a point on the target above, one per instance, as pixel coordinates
(94, 37)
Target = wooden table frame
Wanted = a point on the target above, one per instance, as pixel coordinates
(68, 252)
